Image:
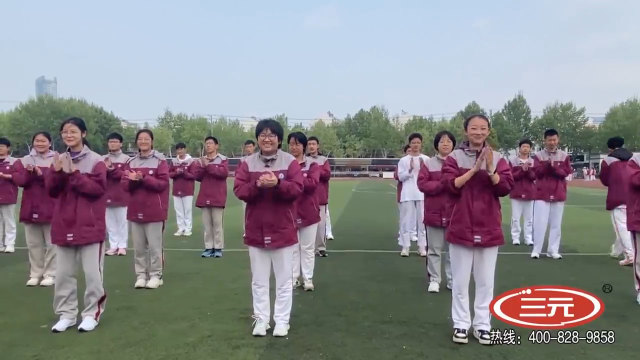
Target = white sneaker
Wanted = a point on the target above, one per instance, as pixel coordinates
(179, 233)
(516, 242)
(535, 255)
(154, 283)
(422, 251)
(33, 282)
(329, 237)
(10, 249)
(414, 238)
(187, 233)
(638, 299)
(404, 252)
(528, 243)
(48, 281)
(281, 330)
(88, 324)
(260, 327)
(308, 285)
(554, 256)
(62, 325)
(140, 284)
(434, 287)
(449, 286)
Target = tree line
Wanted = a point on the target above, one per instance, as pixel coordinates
(367, 133)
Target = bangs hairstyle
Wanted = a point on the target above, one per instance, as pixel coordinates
(300, 138)
(212, 138)
(273, 126)
(115, 136)
(181, 145)
(313, 138)
(550, 132)
(43, 133)
(615, 142)
(415, 136)
(436, 140)
(4, 141)
(81, 125)
(473, 116)
(249, 142)
(525, 141)
(145, 131)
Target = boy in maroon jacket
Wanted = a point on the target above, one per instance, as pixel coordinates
(477, 177)
(8, 198)
(633, 217)
(307, 213)
(614, 174)
(117, 198)
(313, 144)
(146, 179)
(78, 182)
(523, 193)
(212, 173)
(182, 172)
(269, 182)
(552, 166)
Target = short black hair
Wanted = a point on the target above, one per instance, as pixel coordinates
(415, 136)
(525, 141)
(405, 148)
(473, 116)
(300, 138)
(115, 136)
(314, 138)
(215, 141)
(181, 145)
(272, 125)
(4, 141)
(615, 142)
(439, 136)
(550, 132)
(249, 142)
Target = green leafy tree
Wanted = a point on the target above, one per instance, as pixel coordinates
(567, 119)
(329, 143)
(622, 120)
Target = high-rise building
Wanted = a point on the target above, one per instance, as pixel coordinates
(45, 86)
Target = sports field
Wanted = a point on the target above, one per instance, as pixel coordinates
(369, 303)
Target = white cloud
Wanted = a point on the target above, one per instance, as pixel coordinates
(326, 17)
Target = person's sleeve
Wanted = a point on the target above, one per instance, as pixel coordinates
(93, 184)
(292, 185)
(504, 186)
(243, 187)
(159, 181)
(427, 185)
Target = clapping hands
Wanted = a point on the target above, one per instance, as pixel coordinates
(63, 163)
(267, 180)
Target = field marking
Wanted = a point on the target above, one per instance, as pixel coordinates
(373, 252)
(393, 186)
(374, 191)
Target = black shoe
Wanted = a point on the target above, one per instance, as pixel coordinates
(460, 336)
(323, 253)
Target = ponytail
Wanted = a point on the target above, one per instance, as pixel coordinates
(85, 142)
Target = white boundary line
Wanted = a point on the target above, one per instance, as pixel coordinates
(371, 252)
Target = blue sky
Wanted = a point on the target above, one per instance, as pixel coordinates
(303, 58)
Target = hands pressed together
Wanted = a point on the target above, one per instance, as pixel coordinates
(267, 180)
(485, 154)
(62, 162)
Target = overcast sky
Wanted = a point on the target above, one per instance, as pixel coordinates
(303, 58)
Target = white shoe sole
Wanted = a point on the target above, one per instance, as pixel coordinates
(480, 340)
(458, 340)
(82, 330)
(54, 330)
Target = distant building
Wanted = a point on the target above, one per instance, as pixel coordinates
(595, 121)
(125, 124)
(46, 87)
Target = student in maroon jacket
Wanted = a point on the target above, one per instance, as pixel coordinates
(633, 216)
(437, 209)
(477, 177)
(182, 171)
(117, 198)
(523, 193)
(270, 181)
(146, 179)
(36, 209)
(552, 166)
(212, 172)
(313, 143)
(8, 198)
(78, 182)
(307, 213)
(614, 174)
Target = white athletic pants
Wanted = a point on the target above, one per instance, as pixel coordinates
(636, 262)
(304, 254)
(436, 245)
(482, 262)
(547, 213)
(328, 231)
(244, 213)
(521, 209)
(184, 216)
(117, 227)
(8, 225)
(262, 260)
(623, 236)
(411, 216)
(321, 236)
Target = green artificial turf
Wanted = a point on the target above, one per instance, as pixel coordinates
(369, 302)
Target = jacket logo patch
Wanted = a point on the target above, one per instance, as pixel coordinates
(119, 165)
(8, 167)
(150, 172)
(305, 174)
(281, 176)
